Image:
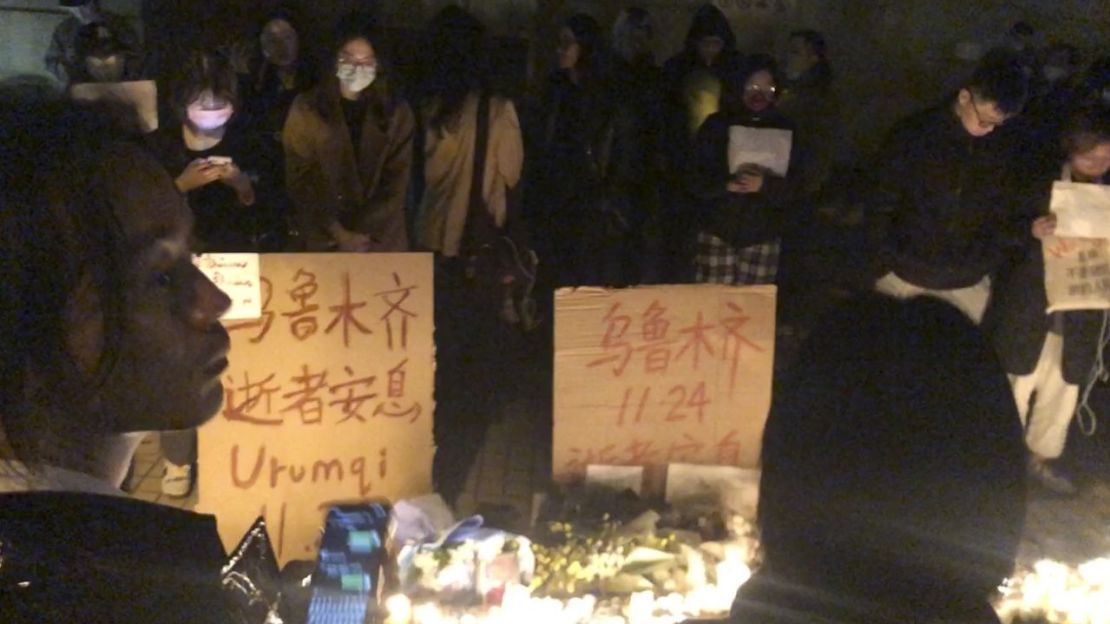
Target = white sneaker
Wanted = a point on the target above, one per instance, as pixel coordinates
(177, 481)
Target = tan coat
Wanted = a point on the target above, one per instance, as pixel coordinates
(326, 183)
(449, 172)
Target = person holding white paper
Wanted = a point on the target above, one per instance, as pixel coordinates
(743, 204)
(1049, 357)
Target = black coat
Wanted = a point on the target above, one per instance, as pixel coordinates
(74, 557)
(1016, 322)
(945, 208)
(222, 223)
(739, 220)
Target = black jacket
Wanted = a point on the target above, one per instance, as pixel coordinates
(1015, 318)
(944, 210)
(1016, 322)
(74, 557)
(739, 220)
(677, 74)
(222, 223)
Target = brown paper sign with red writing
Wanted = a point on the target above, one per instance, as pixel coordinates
(328, 397)
(1076, 273)
(661, 374)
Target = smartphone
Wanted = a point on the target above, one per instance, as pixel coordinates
(220, 160)
(349, 567)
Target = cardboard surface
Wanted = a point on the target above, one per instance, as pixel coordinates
(1077, 273)
(328, 397)
(661, 374)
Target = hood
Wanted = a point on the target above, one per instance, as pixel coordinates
(708, 20)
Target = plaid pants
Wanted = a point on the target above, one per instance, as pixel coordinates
(717, 262)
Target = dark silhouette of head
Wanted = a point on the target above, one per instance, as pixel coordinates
(893, 462)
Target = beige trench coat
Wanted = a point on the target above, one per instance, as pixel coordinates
(327, 184)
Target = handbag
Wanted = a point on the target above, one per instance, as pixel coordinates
(499, 259)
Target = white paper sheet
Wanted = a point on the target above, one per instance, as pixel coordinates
(616, 477)
(735, 488)
(767, 147)
(1082, 210)
(238, 276)
(140, 95)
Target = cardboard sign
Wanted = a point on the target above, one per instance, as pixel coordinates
(140, 95)
(237, 275)
(1076, 273)
(661, 374)
(1082, 210)
(767, 147)
(328, 397)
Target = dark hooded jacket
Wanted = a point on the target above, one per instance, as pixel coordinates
(686, 72)
(740, 220)
(944, 209)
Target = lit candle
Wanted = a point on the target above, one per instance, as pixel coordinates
(640, 606)
(399, 608)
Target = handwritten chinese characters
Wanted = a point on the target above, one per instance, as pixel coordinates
(657, 375)
(328, 397)
(1077, 273)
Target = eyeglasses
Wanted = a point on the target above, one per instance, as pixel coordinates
(347, 60)
(754, 88)
(985, 124)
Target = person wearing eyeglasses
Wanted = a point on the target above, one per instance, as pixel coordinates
(742, 210)
(943, 210)
(348, 150)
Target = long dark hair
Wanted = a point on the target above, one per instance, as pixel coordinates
(593, 52)
(304, 67)
(456, 63)
(379, 95)
(58, 234)
(204, 71)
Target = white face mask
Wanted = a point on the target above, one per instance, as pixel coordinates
(356, 77)
(210, 119)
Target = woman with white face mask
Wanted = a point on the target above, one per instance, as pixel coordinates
(213, 159)
(348, 150)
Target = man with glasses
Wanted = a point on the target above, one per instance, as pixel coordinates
(945, 208)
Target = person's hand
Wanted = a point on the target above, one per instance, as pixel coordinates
(1044, 226)
(231, 175)
(747, 181)
(198, 173)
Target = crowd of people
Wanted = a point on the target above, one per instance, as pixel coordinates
(622, 172)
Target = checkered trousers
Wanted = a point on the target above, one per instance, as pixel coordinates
(718, 262)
